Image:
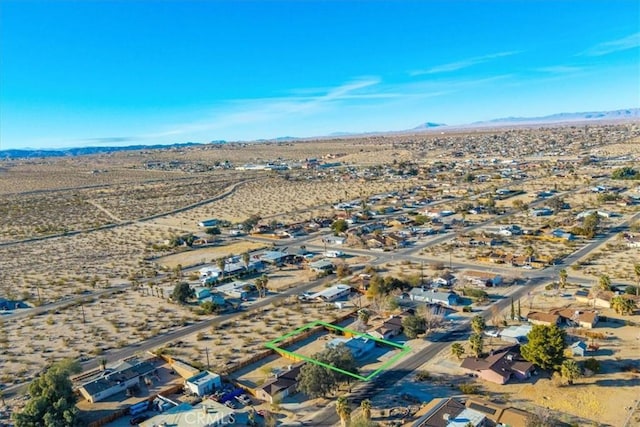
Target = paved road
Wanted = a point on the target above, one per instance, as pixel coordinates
(383, 382)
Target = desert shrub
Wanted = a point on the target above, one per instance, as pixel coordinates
(423, 376)
(469, 388)
(592, 364)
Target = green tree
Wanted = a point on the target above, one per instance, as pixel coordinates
(344, 411)
(316, 380)
(622, 305)
(209, 307)
(604, 282)
(261, 285)
(570, 371)
(52, 402)
(457, 349)
(339, 226)
(476, 343)
(478, 324)
(625, 173)
(563, 278)
(636, 271)
(545, 346)
(364, 315)
(413, 325)
(590, 224)
(182, 292)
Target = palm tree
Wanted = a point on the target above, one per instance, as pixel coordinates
(622, 305)
(604, 282)
(563, 278)
(245, 259)
(457, 349)
(476, 343)
(365, 405)
(343, 410)
(570, 371)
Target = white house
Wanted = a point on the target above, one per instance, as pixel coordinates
(433, 297)
(333, 293)
(203, 383)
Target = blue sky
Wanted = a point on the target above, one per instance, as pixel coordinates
(128, 72)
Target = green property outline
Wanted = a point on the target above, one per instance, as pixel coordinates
(273, 346)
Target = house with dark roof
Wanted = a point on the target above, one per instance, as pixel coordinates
(111, 382)
(391, 327)
(500, 366)
(462, 412)
(281, 386)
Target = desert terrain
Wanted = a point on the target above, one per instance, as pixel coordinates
(90, 239)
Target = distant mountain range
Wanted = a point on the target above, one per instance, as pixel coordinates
(81, 151)
(630, 113)
(615, 115)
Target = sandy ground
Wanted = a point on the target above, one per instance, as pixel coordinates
(89, 191)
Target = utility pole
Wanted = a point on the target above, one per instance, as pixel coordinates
(207, 351)
(84, 320)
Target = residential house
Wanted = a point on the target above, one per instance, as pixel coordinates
(121, 378)
(516, 334)
(563, 235)
(209, 222)
(322, 266)
(578, 348)
(541, 212)
(333, 293)
(444, 280)
(275, 257)
(202, 292)
(433, 297)
(577, 318)
(483, 278)
(390, 328)
(281, 386)
(203, 383)
(541, 318)
(500, 366)
(236, 289)
(463, 412)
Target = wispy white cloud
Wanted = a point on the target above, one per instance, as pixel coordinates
(313, 104)
(252, 111)
(629, 42)
(559, 69)
(465, 63)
